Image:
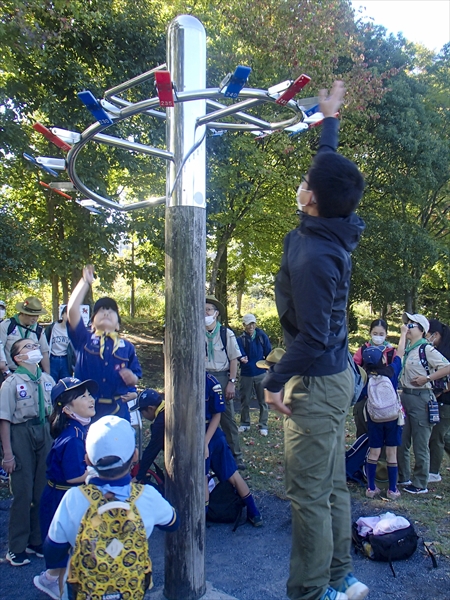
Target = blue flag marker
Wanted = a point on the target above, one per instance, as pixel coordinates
(95, 108)
(310, 111)
(233, 83)
(36, 164)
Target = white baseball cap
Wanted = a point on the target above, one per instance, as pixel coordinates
(110, 436)
(423, 321)
(248, 318)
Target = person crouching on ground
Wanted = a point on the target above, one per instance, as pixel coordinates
(103, 355)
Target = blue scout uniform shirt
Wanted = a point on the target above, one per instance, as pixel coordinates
(214, 402)
(66, 459)
(155, 445)
(105, 371)
(255, 349)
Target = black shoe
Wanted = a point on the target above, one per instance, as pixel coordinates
(31, 549)
(412, 489)
(241, 465)
(17, 560)
(256, 520)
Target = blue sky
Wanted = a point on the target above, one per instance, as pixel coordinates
(423, 21)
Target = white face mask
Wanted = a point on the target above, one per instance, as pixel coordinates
(378, 339)
(34, 357)
(2, 313)
(209, 320)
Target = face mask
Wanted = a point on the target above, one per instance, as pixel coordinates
(209, 320)
(82, 420)
(378, 339)
(2, 313)
(34, 357)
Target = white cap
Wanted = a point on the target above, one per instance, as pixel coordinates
(423, 321)
(248, 318)
(110, 436)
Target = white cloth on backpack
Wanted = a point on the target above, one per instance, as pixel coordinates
(385, 523)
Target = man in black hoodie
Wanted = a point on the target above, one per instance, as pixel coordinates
(311, 293)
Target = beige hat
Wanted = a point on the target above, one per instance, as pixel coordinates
(248, 318)
(423, 321)
(31, 306)
(272, 358)
(220, 307)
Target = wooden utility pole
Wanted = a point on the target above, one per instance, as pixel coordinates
(185, 311)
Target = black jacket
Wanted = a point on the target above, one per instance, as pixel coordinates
(312, 290)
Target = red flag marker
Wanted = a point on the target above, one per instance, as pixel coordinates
(164, 88)
(293, 89)
(55, 190)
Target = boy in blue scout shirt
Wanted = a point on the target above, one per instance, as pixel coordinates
(110, 453)
(103, 355)
(25, 434)
(218, 455)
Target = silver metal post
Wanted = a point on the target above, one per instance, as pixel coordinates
(185, 303)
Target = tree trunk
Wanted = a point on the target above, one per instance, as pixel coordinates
(222, 280)
(65, 290)
(132, 295)
(55, 297)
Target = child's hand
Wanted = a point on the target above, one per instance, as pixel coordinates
(129, 396)
(329, 105)
(88, 274)
(128, 377)
(404, 329)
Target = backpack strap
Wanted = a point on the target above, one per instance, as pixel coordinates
(423, 358)
(223, 337)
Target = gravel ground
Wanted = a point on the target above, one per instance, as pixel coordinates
(252, 564)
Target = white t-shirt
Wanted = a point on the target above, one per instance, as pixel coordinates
(59, 340)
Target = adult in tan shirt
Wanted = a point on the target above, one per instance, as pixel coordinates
(417, 392)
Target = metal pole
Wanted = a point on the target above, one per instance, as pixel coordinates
(185, 325)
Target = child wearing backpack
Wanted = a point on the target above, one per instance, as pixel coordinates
(73, 408)
(107, 522)
(383, 411)
(378, 331)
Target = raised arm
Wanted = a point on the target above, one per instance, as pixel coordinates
(78, 295)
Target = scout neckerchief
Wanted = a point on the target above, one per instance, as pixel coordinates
(210, 337)
(21, 370)
(28, 330)
(103, 335)
(160, 408)
(411, 347)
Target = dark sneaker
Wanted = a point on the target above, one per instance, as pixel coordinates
(353, 588)
(241, 465)
(31, 549)
(17, 560)
(256, 520)
(412, 489)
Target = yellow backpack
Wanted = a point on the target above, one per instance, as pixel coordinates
(110, 560)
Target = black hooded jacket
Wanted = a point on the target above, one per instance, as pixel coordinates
(312, 290)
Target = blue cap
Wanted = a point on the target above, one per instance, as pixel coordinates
(146, 398)
(70, 383)
(372, 356)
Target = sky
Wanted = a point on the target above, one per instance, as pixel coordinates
(422, 21)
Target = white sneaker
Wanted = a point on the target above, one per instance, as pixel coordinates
(243, 428)
(264, 431)
(51, 588)
(434, 478)
(405, 482)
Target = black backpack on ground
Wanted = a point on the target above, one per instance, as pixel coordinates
(225, 505)
(397, 545)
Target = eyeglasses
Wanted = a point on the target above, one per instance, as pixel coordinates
(411, 325)
(209, 310)
(30, 346)
(301, 188)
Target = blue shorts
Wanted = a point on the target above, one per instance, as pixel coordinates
(384, 434)
(220, 460)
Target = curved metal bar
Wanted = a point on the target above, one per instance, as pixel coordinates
(134, 146)
(124, 104)
(126, 85)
